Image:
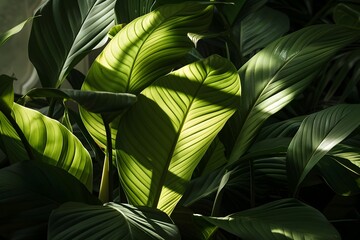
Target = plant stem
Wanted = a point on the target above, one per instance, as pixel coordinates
(106, 178)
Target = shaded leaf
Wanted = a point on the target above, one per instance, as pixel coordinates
(347, 14)
(260, 28)
(282, 219)
(317, 135)
(111, 221)
(29, 191)
(184, 111)
(128, 10)
(64, 33)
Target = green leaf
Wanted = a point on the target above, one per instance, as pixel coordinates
(347, 14)
(278, 73)
(29, 191)
(144, 50)
(317, 135)
(184, 111)
(64, 33)
(93, 101)
(111, 221)
(6, 35)
(282, 219)
(6, 93)
(260, 28)
(51, 143)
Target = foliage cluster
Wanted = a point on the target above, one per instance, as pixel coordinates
(196, 120)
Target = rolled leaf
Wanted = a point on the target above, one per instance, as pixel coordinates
(50, 141)
(317, 135)
(111, 221)
(144, 50)
(282, 219)
(183, 113)
(93, 101)
(64, 33)
(29, 191)
(278, 73)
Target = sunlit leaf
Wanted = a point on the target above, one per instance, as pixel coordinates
(50, 141)
(64, 33)
(144, 50)
(282, 219)
(317, 135)
(111, 221)
(278, 73)
(29, 191)
(184, 111)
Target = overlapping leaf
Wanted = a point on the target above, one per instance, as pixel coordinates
(111, 221)
(64, 33)
(50, 141)
(317, 135)
(278, 73)
(145, 49)
(183, 112)
(282, 219)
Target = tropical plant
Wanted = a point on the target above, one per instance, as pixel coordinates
(197, 120)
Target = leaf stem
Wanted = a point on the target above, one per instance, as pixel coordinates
(106, 185)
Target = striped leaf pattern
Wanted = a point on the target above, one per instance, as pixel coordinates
(317, 135)
(278, 73)
(51, 143)
(164, 135)
(64, 32)
(144, 50)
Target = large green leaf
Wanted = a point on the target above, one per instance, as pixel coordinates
(50, 141)
(278, 73)
(111, 221)
(282, 219)
(64, 32)
(317, 135)
(145, 49)
(29, 191)
(183, 113)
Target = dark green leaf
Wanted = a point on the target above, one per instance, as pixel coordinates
(64, 33)
(6, 93)
(29, 191)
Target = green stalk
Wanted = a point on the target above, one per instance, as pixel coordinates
(106, 178)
